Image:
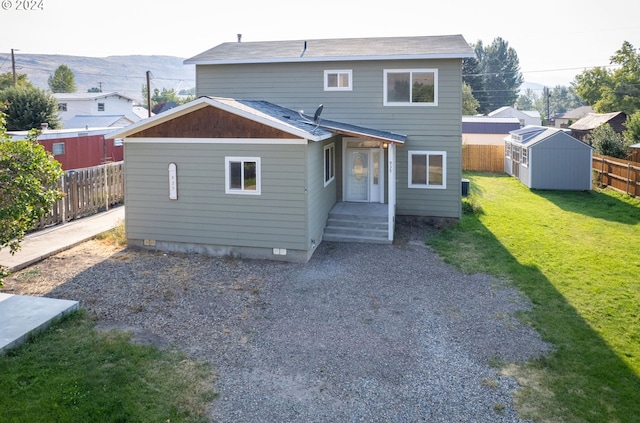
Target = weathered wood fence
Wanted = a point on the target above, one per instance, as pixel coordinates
(621, 175)
(87, 191)
(484, 158)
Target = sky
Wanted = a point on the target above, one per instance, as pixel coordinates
(554, 40)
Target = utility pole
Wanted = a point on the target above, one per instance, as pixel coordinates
(149, 92)
(13, 66)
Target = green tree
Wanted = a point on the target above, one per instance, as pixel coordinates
(616, 90)
(6, 80)
(469, 103)
(499, 67)
(94, 90)
(28, 180)
(63, 80)
(632, 133)
(28, 108)
(607, 142)
(166, 98)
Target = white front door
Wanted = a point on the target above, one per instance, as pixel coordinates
(363, 175)
(357, 174)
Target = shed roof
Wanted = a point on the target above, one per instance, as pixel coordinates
(294, 122)
(593, 120)
(532, 134)
(337, 49)
(95, 121)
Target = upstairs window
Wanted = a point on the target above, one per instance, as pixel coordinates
(338, 80)
(242, 175)
(411, 87)
(62, 107)
(101, 107)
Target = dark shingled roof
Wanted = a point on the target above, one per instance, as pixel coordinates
(339, 49)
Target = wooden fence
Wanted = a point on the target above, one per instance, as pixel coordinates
(86, 192)
(485, 158)
(621, 175)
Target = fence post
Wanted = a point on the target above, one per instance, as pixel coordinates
(106, 187)
(628, 177)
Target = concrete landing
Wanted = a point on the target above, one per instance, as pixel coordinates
(22, 316)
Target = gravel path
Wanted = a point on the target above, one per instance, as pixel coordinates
(360, 333)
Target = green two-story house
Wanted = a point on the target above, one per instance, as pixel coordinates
(295, 142)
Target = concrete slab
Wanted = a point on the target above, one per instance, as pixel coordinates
(23, 315)
(47, 242)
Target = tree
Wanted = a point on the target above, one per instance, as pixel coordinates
(561, 99)
(28, 180)
(165, 99)
(94, 90)
(632, 133)
(469, 103)
(616, 90)
(63, 80)
(499, 68)
(607, 142)
(6, 80)
(28, 108)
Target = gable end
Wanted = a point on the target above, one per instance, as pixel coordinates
(211, 122)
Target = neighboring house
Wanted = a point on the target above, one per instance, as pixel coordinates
(526, 117)
(484, 130)
(77, 109)
(566, 119)
(548, 158)
(78, 148)
(591, 121)
(241, 171)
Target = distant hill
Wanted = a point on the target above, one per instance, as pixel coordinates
(124, 74)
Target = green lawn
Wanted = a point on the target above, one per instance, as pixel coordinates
(71, 373)
(576, 255)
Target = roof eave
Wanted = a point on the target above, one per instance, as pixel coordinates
(196, 61)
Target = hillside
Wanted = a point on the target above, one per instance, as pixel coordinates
(124, 74)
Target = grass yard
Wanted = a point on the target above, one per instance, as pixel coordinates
(576, 255)
(72, 373)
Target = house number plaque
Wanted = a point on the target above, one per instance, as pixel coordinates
(173, 182)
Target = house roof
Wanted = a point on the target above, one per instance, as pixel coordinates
(337, 49)
(287, 120)
(576, 113)
(489, 125)
(508, 110)
(48, 134)
(88, 96)
(533, 134)
(593, 120)
(94, 121)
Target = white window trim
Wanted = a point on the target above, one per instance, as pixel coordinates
(427, 153)
(524, 156)
(339, 71)
(332, 157)
(227, 176)
(409, 103)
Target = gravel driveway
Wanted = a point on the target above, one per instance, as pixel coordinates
(360, 333)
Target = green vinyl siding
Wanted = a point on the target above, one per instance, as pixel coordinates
(300, 86)
(203, 213)
(321, 199)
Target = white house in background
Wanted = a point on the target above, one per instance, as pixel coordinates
(78, 110)
(526, 117)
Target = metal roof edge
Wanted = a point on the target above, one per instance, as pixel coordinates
(194, 61)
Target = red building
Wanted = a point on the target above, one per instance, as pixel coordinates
(78, 148)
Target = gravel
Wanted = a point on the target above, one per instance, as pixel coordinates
(360, 333)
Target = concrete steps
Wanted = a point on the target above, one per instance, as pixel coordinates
(354, 227)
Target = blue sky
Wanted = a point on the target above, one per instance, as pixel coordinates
(554, 40)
